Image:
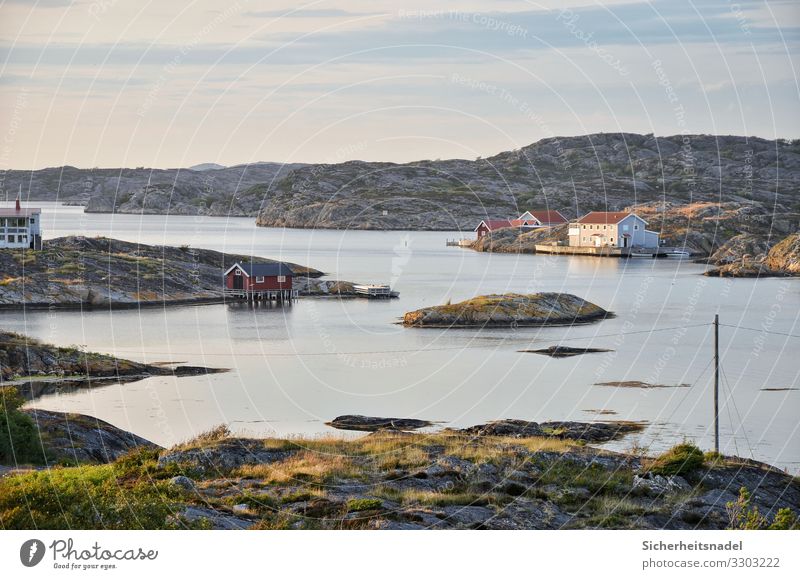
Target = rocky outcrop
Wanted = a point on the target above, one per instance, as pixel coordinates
(556, 173)
(375, 423)
(508, 310)
(24, 360)
(102, 272)
(223, 191)
(784, 257)
(77, 438)
(594, 432)
(516, 240)
(565, 351)
(222, 455)
(563, 173)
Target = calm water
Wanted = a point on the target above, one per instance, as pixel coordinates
(293, 368)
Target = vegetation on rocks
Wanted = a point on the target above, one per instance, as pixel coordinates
(391, 480)
(539, 309)
(679, 460)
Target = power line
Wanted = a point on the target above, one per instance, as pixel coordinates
(761, 330)
(419, 351)
(650, 331)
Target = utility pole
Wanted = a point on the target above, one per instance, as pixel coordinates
(716, 383)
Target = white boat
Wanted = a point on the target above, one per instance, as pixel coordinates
(678, 254)
(641, 254)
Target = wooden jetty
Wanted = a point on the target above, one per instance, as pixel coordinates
(281, 296)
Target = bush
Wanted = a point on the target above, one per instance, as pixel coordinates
(681, 459)
(19, 438)
(742, 516)
(120, 495)
(358, 505)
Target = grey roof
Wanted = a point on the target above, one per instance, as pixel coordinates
(265, 269)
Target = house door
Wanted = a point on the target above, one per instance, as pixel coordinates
(624, 242)
(237, 282)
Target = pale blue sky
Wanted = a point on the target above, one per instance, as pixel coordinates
(122, 83)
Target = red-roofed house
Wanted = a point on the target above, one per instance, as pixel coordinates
(539, 219)
(20, 227)
(612, 229)
(488, 225)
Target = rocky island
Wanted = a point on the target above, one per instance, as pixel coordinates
(505, 475)
(79, 271)
(508, 310)
(36, 368)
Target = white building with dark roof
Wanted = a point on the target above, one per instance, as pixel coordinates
(20, 227)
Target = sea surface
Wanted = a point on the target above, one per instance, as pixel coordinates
(295, 367)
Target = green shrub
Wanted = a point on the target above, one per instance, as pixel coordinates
(19, 438)
(357, 505)
(85, 497)
(741, 516)
(681, 459)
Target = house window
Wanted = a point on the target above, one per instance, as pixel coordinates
(624, 228)
(636, 227)
(259, 279)
(281, 279)
(237, 272)
(612, 240)
(605, 226)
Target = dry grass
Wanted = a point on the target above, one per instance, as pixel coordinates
(442, 499)
(303, 467)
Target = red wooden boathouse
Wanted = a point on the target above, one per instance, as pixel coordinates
(260, 281)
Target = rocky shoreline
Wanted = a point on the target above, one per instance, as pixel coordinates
(737, 240)
(507, 474)
(780, 260)
(508, 310)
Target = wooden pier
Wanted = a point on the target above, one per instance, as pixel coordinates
(281, 296)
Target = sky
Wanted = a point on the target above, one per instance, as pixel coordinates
(122, 83)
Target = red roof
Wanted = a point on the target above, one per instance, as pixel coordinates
(612, 217)
(492, 224)
(12, 212)
(548, 217)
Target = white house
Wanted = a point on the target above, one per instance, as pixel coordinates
(612, 229)
(20, 228)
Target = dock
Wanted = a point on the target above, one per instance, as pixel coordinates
(605, 251)
(459, 242)
(374, 291)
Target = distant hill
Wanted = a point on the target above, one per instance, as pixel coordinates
(571, 174)
(206, 167)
